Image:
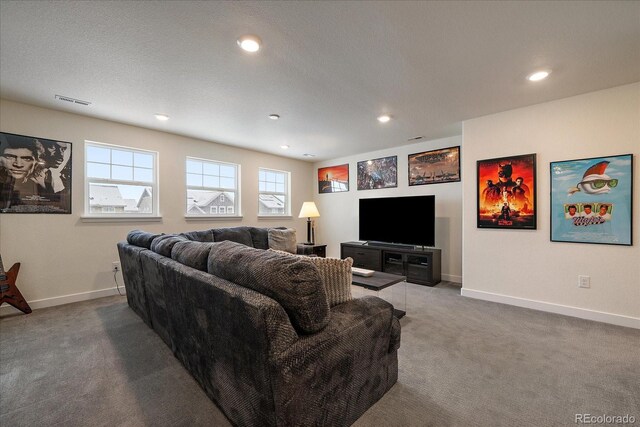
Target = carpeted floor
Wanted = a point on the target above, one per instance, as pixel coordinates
(463, 362)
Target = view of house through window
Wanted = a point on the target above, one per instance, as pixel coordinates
(212, 188)
(119, 180)
(273, 192)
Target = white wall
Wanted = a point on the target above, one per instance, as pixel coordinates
(524, 267)
(338, 220)
(61, 255)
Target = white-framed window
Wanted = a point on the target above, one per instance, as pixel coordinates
(120, 181)
(212, 187)
(273, 192)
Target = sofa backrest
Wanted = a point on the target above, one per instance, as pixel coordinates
(293, 282)
(225, 335)
(256, 237)
(199, 236)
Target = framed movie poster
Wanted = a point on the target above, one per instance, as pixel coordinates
(378, 173)
(35, 175)
(435, 167)
(333, 179)
(507, 192)
(591, 200)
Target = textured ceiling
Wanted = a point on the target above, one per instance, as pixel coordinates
(328, 68)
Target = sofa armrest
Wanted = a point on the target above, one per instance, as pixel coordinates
(341, 370)
(348, 320)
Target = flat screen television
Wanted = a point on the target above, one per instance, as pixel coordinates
(403, 220)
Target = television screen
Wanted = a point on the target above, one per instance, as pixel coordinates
(406, 220)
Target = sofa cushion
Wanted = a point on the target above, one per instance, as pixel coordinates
(163, 245)
(199, 236)
(141, 238)
(282, 240)
(336, 278)
(293, 282)
(234, 234)
(335, 274)
(260, 237)
(193, 254)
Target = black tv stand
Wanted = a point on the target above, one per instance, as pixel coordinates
(421, 266)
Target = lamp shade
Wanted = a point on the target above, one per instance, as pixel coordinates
(309, 210)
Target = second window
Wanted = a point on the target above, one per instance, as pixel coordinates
(212, 188)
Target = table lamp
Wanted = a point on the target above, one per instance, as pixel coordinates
(309, 210)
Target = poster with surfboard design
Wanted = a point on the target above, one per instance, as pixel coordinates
(592, 200)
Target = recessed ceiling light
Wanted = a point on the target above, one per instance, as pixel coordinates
(538, 75)
(284, 147)
(384, 118)
(274, 116)
(161, 117)
(308, 155)
(250, 43)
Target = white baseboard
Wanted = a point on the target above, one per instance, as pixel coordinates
(598, 316)
(452, 278)
(64, 299)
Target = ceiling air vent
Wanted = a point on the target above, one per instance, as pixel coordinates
(415, 138)
(72, 100)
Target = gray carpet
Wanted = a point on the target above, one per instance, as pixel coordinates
(463, 362)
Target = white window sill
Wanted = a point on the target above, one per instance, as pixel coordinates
(213, 217)
(273, 217)
(121, 218)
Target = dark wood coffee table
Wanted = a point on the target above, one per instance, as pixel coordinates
(379, 281)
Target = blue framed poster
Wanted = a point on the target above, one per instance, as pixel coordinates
(592, 200)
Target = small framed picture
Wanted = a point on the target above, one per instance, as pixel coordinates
(333, 179)
(506, 191)
(592, 200)
(378, 173)
(435, 167)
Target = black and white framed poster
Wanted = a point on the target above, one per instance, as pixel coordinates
(35, 175)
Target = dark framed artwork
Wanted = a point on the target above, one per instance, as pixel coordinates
(333, 179)
(592, 200)
(35, 175)
(378, 173)
(506, 191)
(435, 167)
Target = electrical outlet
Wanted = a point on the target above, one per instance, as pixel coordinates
(584, 281)
(115, 266)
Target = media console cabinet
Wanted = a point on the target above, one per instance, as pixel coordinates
(421, 266)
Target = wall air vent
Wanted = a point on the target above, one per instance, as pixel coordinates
(72, 100)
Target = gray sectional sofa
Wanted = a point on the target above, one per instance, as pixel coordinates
(258, 335)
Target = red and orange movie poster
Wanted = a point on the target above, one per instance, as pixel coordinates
(507, 192)
(333, 179)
